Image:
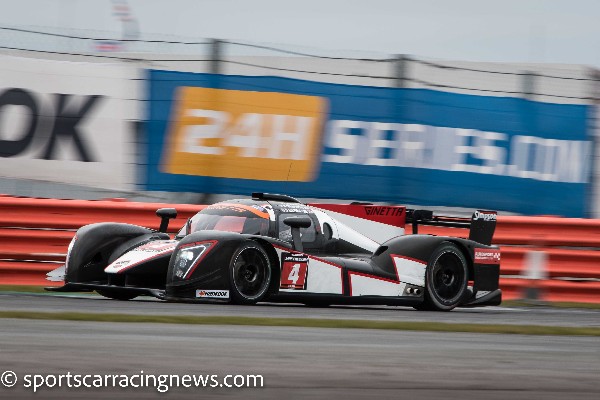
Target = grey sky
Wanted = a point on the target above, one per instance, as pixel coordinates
(557, 31)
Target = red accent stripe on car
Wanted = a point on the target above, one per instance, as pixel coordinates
(389, 215)
(212, 246)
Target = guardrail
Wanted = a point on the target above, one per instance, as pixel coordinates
(34, 235)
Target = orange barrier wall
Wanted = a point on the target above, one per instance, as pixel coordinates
(34, 235)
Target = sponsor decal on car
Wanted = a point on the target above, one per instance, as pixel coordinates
(293, 271)
(484, 215)
(487, 256)
(294, 210)
(244, 134)
(158, 246)
(213, 294)
(119, 264)
(384, 211)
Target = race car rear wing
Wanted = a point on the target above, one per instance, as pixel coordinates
(481, 225)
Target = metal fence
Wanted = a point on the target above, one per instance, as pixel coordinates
(544, 82)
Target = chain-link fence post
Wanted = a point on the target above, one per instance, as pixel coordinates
(216, 69)
(215, 56)
(400, 65)
(401, 70)
(528, 85)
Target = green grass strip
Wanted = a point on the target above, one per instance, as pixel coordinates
(23, 289)
(307, 322)
(27, 289)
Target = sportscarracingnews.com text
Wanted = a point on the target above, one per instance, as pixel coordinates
(161, 382)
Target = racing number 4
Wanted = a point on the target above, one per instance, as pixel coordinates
(293, 272)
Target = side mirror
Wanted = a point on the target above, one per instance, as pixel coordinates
(165, 215)
(296, 223)
(420, 215)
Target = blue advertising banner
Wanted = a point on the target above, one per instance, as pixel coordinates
(238, 134)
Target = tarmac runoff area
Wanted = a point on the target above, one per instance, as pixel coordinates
(302, 362)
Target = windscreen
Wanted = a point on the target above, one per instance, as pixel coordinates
(236, 218)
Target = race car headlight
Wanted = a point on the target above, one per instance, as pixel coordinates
(189, 256)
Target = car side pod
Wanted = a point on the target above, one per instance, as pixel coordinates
(296, 223)
(165, 215)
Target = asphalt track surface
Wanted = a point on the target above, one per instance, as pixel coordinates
(538, 315)
(302, 363)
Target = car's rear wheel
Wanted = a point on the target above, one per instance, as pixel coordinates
(250, 273)
(117, 294)
(446, 279)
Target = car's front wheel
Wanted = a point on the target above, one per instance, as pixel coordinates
(446, 278)
(250, 273)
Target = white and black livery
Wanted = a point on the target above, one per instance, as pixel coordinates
(274, 248)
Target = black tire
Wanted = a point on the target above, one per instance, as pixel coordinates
(446, 279)
(250, 273)
(117, 294)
